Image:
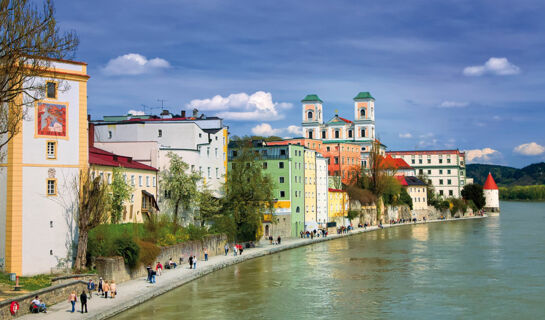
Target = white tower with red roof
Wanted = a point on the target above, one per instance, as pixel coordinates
(491, 195)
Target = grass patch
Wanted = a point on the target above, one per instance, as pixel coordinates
(29, 283)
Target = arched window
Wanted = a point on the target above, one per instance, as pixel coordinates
(336, 134)
(350, 133)
(323, 134)
(362, 113)
(310, 135)
(297, 210)
(309, 115)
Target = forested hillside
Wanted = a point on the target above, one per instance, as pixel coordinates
(508, 176)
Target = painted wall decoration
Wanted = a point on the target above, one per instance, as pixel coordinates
(51, 119)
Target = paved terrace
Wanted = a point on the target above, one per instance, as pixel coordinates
(137, 291)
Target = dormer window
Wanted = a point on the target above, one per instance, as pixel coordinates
(309, 115)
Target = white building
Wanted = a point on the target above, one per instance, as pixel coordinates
(445, 169)
(321, 190)
(491, 195)
(37, 174)
(200, 141)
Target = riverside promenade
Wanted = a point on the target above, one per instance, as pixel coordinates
(137, 291)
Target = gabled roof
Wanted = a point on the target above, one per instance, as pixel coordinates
(410, 181)
(364, 95)
(104, 158)
(312, 98)
(337, 119)
(393, 163)
(490, 184)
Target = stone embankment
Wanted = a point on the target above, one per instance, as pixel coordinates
(135, 292)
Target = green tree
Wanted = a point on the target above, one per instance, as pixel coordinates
(28, 36)
(208, 205)
(248, 193)
(474, 192)
(178, 187)
(121, 192)
(405, 198)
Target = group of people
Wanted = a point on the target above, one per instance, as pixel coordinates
(313, 233)
(278, 240)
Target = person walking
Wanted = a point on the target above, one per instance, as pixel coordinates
(100, 286)
(240, 249)
(205, 254)
(113, 289)
(73, 298)
(194, 262)
(279, 240)
(159, 268)
(190, 262)
(153, 273)
(91, 288)
(106, 288)
(83, 299)
(148, 268)
(226, 248)
(235, 250)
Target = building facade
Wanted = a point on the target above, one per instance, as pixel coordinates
(310, 190)
(38, 171)
(416, 189)
(446, 169)
(338, 203)
(491, 195)
(321, 191)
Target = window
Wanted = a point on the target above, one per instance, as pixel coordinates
(429, 171)
(412, 161)
(310, 135)
(264, 165)
(282, 194)
(132, 180)
(440, 181)
(159, 133)
(362, 133)
(448, 160)
(450, 193)
(420, 171)
(327, 149)
(51, 150)
(109, 134)
(440, 171)
(281, 165)
(51, 187)
(282, 152)
(362, 113)
(51, 89)
(429, 161)
(281, 179)
(208, 152)
(323, 134)
(440, 160)
(209, 172)
(216, 152)
(350, 133)
(441, 192)
(217, 173)
(147, 181)
(449, 181)
(139, 181)
(309, 115)
(336, 160)
(235, 153)
(154, 182)
(419, 161)
(109, 178)
(448, 171)
(132, 197)
(336, 134)
(200, 169)
(200, 135)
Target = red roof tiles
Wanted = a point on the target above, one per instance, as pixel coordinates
(104, 158)
(490, 184)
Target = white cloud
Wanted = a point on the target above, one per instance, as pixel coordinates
(241, 106)
(495, 66)
(136, 112)
(453, 104)
(265, 129)
(529, 149)
(134, 64)
(405, 135)
(481, 155)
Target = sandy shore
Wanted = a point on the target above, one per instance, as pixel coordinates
(137, 291)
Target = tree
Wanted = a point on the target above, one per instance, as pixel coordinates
(248, 193)
(209, 205)
(178, 186)
(474, 192)
(405, 198)
(94, 202)
(28, 38)
(121, 192)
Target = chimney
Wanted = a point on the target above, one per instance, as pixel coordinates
(183, 113)
(195, 112)
(91, 134)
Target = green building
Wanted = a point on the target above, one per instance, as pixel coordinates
(285, 165)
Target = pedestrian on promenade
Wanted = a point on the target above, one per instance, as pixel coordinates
(279, 240)
(240, 249)
(153, 273)
(90, 288)
(194, 262)
(205, 254)
(270, 239)
(226, 248)
(83, 299)
(159, 268)
(235, 250)
(148, 268)
(191, 261)
(106, 288)
(101, 286)
(73, 298)
(113, 289)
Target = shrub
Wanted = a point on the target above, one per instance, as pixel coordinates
(148, 252)
(128, 249)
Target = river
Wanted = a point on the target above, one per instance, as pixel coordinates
(491, 268)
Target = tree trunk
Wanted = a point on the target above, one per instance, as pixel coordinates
(81, 256)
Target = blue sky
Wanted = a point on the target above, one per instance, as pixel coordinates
(445, 74)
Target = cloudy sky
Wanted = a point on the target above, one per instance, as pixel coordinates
(445, 74)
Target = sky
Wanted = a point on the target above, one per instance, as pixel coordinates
(445, 74)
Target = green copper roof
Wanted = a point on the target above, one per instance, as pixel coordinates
(311, 98)
(364, 95)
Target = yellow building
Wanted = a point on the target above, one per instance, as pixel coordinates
(140, 177)
(310, 190)
(338, 205)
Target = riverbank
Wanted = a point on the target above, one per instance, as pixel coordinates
(134, 292)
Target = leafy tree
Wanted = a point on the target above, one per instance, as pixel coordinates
(28, 36)
(474, 192)
(178, 186)
(209, 205)
(93, 204)
(248, 193)
(121, 192)
(352, 214)
(405, 198)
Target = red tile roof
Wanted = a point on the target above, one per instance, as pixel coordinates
(490, 184)
(336, 190)
(104, 158)
(394, 163)
(345, 120)
(401, 180)
(426, 152)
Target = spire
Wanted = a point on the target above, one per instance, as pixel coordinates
(490, 184)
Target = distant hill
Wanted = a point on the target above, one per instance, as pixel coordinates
(508, 176)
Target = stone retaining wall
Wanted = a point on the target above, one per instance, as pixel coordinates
(113, 268)
(50, 296)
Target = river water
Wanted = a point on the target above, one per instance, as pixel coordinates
(491, 268)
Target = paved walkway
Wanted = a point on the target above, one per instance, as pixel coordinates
(137, 291)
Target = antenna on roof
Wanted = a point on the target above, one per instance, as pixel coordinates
(162, 103)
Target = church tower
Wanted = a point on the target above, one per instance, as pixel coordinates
(491, 196)
(312, 116)
(364, 116)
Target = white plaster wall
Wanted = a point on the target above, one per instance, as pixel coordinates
(38, 212)
(3, 195)
(321, 189)
(492, 198)
(419, 197)
(67, 149)
(67, 66)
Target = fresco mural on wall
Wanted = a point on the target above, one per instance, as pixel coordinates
(51, 119)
